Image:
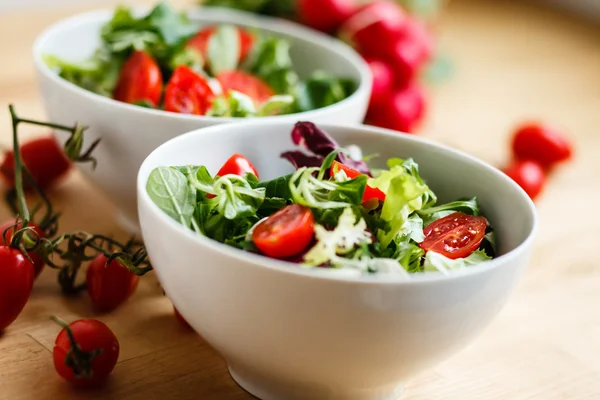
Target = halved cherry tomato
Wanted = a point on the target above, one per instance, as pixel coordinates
(109, 285)
(76, 366)
(38, 261)
(285, 233)
(370, 192)
(529, 175)
(541, 143)
(44, 158)
(455, 236)
(188, 93)
(16, 282)
(140, 80)
(200, 42)
(237, 164)
(245, 83)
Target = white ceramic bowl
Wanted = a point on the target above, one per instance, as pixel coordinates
(290, 333)
(129, 133)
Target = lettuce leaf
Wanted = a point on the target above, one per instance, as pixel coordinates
(437, 262)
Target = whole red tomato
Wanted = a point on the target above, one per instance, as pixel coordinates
(325, 15)
(383, 80)
(44, 158)
(9, 227)
(140, 80)
(109, 285)
(402, 111)
(93, 356)
(529, 175)
(16, 282)
(542, 143)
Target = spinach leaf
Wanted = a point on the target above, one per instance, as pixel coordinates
(169, 189)
(271, 205)
(322, 89)
(278, 187)
(351, 191)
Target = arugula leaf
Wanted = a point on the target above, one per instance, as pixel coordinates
(169, 189)
(224, 49)
(437, 262)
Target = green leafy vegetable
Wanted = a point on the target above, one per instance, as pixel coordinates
(170, 190)
(437, 262)
(224, 49)
(322, 90)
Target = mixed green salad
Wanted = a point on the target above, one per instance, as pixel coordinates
(162, 60)
(332, 212)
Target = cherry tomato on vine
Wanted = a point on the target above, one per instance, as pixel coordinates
(16, 282)
(370, 192)
(325, 15)
(109, 285)
(239, 165)
(529, 175)
(140, 79)
(246, 83)
(38, 261)
(285, 233)
(188, 93)
(93, 338)
(455, 236)
(44, 158)
(200, 42)
(542, 143)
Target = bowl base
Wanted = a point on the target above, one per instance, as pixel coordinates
(128, 224)
(270, 389)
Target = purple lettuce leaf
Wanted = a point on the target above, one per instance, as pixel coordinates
(318, 142)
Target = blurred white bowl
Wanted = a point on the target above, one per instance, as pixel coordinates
(129, 133)
(292, 333)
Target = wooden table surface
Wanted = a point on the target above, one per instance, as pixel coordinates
(512, 62)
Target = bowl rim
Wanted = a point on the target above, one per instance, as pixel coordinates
(284, 266)
(236, 17)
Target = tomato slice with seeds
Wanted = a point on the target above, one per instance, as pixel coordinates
(370, 192)
(200, 42)
(140, 79)
(246, 83)
(286, 233)
(455, 236)
(188, 93)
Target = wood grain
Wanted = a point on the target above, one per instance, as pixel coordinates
(513, 61)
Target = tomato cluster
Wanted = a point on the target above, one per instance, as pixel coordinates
(536, 148)
(395, 45)
(186, 91)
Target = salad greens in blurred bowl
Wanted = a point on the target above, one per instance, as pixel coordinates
(162, 60)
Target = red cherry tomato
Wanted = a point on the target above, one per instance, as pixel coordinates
(200, 42)
(188, 93)
(140, 80)
(529, 175)
(455, 236)
(285, 233)
(245, 83)
(16, 282)
(403, 111)
(374, 27)
(383, 81)
(90, 335)
(44, 158)
(38, 261)
(542, 143)
(325, 15)
(407, 59)
(237, 164)
(181, 320)
(370, 192)
(109, 285)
